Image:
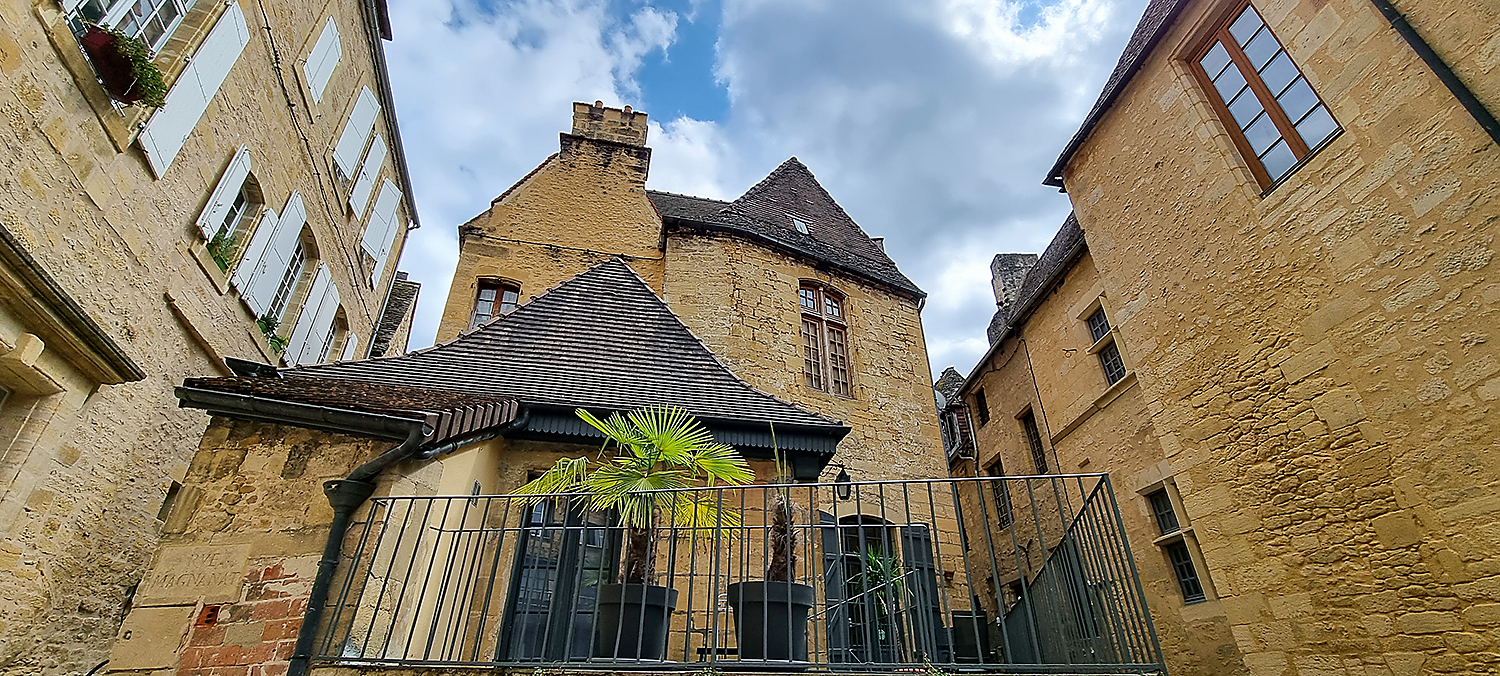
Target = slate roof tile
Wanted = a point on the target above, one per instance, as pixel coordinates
(397, 306)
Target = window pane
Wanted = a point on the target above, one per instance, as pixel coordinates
(1187, 576)
(1316, 127)
(487, 293)
(832, 306)
(1098, 324)
(1230, 82)
(1245, 26)
(812, 354)
(1114, 368)
(1279, 73)
(1214, 61)
(1034, 442)
(1297, 100)
(809, 299)
(509, 299)
(1261, 49)
(838, 362)
(1278, 160)
(1262, 134)
(1245, 107)
(1166, 518)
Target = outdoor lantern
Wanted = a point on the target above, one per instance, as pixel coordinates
(841, 485)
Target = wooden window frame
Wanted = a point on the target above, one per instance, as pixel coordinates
(497, 304)
(1219, 33)
(1105, 347)
(827, 352)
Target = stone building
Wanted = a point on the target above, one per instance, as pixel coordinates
(257, 214)
(780, 283)
(1269, 319)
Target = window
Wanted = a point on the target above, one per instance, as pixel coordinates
(1272, 113)
(825, 340)
(1166, 517)
(983, 406)
(1109, 352)
(799, 224)
(288, 282)
(1001, 493)
(150, 20)
(195, 87)
(1187, 575)
(1034, 441)
(494, 298)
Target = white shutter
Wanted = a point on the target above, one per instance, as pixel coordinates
(351, 145)
(306, 343)
(349, 347)
(221, 201)
(169, 127)
(365, 184)
(259, 241)
(323, 59)
(260, 289)
(381, 232)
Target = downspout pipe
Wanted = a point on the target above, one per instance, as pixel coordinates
(1460, 91)
(346, 496)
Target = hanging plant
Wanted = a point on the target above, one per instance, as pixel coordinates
(124, 66)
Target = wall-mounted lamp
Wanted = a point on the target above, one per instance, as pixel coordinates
(841, 485)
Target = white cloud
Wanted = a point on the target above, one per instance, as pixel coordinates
(690, 157)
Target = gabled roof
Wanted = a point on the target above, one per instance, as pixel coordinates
(765, 213)
(1154, 22)
(601, 340)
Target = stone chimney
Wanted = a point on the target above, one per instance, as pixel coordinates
(609, 124)
(1007, 271)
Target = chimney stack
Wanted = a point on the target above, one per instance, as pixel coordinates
(1007, 272)
(601, 123)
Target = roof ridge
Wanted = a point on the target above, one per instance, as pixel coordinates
(691, 197)
(524, 179)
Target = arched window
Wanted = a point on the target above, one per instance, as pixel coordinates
(494, 297)
(226, 242)
(825, 339)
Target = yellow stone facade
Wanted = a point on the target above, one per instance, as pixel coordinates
(94, 453)
(1313, 362)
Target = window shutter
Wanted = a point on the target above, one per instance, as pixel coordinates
(325, 56)
(221, 200)
(350, 346)
(351, 145)
(170, 125)
(368, 171)
(306, 342)
(380, 234)
(259, 242)
(265, 274)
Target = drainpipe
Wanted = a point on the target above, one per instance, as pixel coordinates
(1460, 91)
(346, 495)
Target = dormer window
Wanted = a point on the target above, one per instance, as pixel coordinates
(799, 224)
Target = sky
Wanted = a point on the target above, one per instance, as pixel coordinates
(932, 122)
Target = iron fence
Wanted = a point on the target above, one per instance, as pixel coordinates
(986, 574)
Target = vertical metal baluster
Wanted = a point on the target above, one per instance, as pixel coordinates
(1021, 565)
(1145, 611)
(442, 594)
(942, 576)
(411, 564)
(765, 561)
(687, 627)
(713, 599)
(390, 567)
(489, 592)
(427, 576)
(1138, 639)
(963, 541)
(359, 552)
(1094, 552)
(468, 582)
(1072, 632)
(672, 566)
(808, 577)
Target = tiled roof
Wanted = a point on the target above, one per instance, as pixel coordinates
(1158, 15)
(398, 305)
(765, 212)
(1065, 247)
(600, 340)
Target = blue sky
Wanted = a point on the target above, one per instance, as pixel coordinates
(931, 121)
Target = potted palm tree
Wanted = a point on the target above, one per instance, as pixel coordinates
(770, 616)
(655, 450)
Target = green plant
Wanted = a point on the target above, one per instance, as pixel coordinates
(268, 324)
(219, 247)
(883, 580)
(148, 87)
(656, 449)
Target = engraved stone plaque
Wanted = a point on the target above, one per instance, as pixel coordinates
(186, 574)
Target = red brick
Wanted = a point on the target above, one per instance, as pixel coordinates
(284, 650)
(272, 610)
(281, 629)
(269, 669)
(258, 654)
(230, 671)
(212, 634)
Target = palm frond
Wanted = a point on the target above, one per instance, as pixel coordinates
(720, 463)
(615, 428)
(566, 476)
(700, 510)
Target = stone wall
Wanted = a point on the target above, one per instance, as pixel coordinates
(1088, 425)
(1317, 360)
(82, 488)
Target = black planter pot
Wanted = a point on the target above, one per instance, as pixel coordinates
(770, 619)
(632, 621)
(971, 637)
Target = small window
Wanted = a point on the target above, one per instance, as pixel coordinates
(825, 340)
(1001, 493)
(1166, 517)
(1114, 368)
(1098, 325)
(1187, 575)
(494, 298)
(1270, 110)
(799, 224)
(982, 405)
(288, 282)
(1034, 442)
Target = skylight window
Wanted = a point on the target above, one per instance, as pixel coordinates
(800, 224)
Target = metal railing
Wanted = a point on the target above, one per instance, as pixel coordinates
(989, 574)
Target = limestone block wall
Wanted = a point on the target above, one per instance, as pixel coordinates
(1089, 425)
(741, 299)
(580, 207)
(80, 497)
(1317, 359)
